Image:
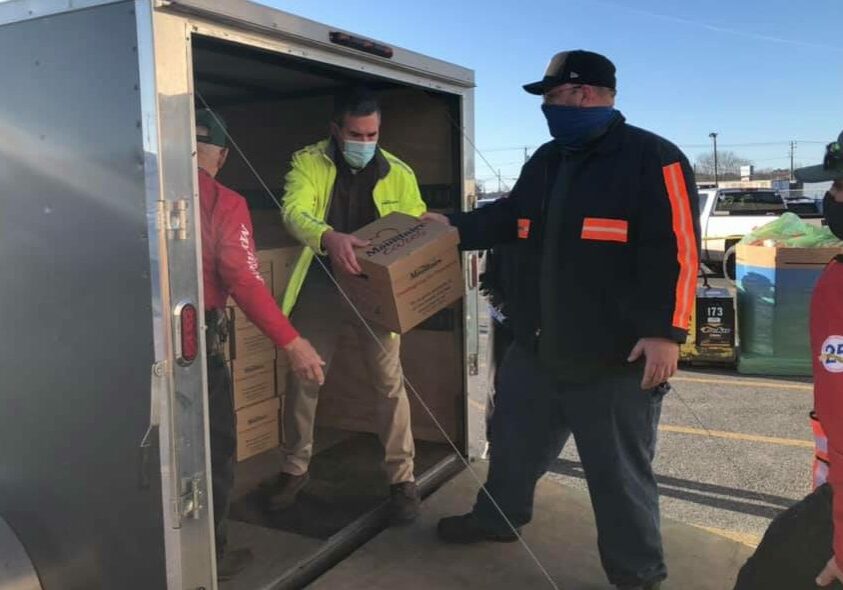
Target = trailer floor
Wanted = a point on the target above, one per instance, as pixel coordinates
(562, 536)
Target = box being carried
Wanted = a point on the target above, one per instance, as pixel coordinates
(411, 270)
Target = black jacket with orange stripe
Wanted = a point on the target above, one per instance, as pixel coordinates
(627, 257)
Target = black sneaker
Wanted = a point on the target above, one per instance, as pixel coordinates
(404, 503)
(232, 563)
(283, 492)
(465, 530)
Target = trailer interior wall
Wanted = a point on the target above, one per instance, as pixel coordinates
(274, 105)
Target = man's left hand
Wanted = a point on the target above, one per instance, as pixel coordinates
(662, 360)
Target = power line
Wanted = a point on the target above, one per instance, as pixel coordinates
(685, 145)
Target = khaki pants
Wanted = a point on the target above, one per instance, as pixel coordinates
(320, 316)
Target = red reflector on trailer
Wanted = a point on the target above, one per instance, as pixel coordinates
(361, 44)
(189, 333)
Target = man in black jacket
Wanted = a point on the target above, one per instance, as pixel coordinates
(604, 226)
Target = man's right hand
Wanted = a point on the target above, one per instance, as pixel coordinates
(340, 247)
(437, 217)
(305, 361)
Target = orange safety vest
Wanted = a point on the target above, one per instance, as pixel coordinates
(821, 462)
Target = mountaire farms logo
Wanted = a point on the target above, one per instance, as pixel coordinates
(424, 268)
(396, 242)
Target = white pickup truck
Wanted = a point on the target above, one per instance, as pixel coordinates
(727, 215)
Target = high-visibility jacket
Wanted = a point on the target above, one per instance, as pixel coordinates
(307, 197)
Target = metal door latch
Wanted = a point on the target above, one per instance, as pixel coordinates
(172, 216)
(192, 498)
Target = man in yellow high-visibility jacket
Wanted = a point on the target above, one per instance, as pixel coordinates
(334, 188)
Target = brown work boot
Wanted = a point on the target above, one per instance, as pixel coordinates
(231, 563)
(404, 503)
(284, 491)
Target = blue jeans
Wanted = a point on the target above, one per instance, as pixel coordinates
(614, 424)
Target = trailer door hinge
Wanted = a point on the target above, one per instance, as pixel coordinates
(172, 217)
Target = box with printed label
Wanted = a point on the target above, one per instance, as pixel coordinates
(247, 341)
(253, 380)
(257, 440)
(411, 270)
(258, 414)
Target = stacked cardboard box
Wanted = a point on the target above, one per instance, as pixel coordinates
(258, 370)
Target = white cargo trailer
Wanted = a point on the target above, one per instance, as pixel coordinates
(104, 464)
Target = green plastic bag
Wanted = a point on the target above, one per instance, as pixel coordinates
(790, 231)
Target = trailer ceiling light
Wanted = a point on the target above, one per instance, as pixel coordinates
(361, 44)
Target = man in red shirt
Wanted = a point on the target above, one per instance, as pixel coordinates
(803, 547)
(230, 267)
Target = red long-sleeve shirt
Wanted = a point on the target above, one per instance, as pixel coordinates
(827, 349)
(230, 263)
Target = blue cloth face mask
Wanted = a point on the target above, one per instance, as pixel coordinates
(358, 153)
(574, 126)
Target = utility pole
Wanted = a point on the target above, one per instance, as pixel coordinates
(792, 149)
(713, 136)
(526, 155)
(500, 188)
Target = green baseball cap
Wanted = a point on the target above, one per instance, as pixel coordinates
(830, 169)
(215, 126)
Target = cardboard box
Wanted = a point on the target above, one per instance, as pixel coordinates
(249, 342)
(257, 440)
(253, 380)
(283, 261)
(774, 288)
(766, 257)
(411, 270)
(258, 414)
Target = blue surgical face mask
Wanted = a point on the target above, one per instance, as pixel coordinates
(575, 126)
(358, 153)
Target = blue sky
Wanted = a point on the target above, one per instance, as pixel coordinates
(761, 72)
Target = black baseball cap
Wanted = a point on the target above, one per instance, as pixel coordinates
(214, 125)
(575, 67)
(830, 169)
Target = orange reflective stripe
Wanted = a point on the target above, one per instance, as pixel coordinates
(686, 244)
(604, 235)
(596, 223)
(523, 229)
(610, 230)
(820, 439)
